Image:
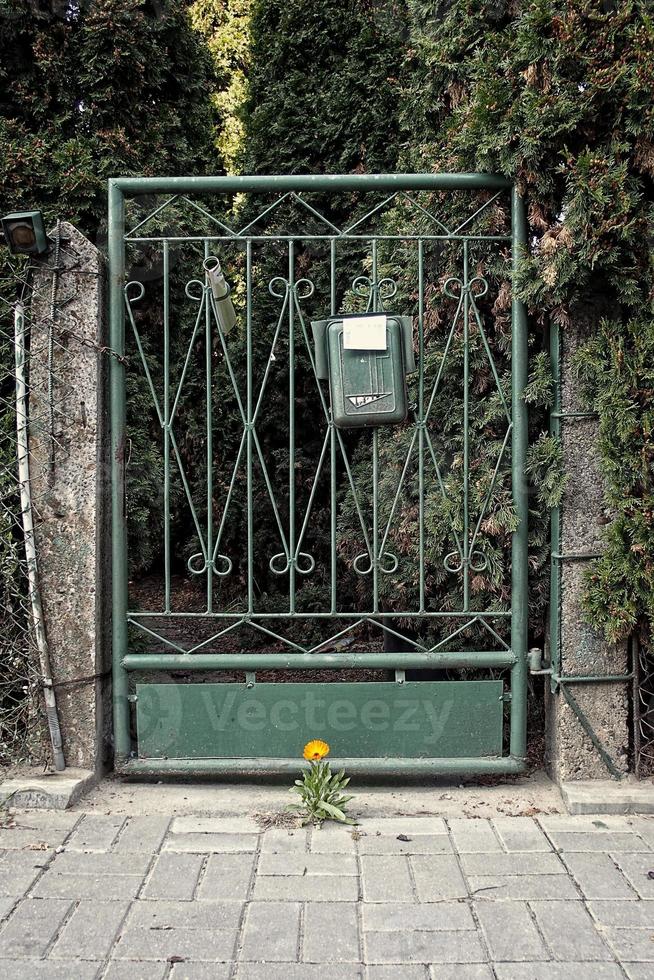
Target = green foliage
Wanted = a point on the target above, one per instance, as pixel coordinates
(540, 388)
(545, 470)
(321, 794)
(98, 90)
(323, 86)
(557, 95)
(616, 369)
(553, 93)
(489, 480)
(320, 98)
(226, 29)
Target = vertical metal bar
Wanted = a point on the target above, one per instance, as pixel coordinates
(519, 440)
(555, 516)
(332, 439)
(421, 426)
(52, 323)
(466, 437)
(590, 731)
(375, 521)
(332, 276)
(637, 671)
(375, 460)
(248, 416)
(209, 396)
(116, 231)
(166, 417)
(291, 426)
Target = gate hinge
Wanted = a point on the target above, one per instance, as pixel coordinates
(506, 697)
(133, 698)
(250, 678)
(400, 677)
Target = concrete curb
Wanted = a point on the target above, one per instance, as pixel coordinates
(608, 796)
(47, 791)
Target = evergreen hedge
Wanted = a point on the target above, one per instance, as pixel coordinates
(95, 90)
(557, 95)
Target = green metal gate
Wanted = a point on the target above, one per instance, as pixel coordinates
(191, 691)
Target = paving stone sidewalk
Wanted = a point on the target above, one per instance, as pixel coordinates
(409, 898)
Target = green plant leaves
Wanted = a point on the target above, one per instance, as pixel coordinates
(320, 793)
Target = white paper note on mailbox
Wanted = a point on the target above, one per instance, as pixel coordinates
(365, 332)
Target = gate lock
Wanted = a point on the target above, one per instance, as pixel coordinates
(366, 360)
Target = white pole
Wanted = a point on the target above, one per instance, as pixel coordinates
(28, 535)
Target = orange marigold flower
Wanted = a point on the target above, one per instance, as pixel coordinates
(315, 750)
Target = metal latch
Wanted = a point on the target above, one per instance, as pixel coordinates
(220, 290)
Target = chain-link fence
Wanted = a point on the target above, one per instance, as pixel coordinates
(643, 661)
(19, 675)
(37, 337)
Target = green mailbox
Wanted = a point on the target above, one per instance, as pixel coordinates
(366, 359)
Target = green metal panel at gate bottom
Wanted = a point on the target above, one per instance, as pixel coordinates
(415, 719)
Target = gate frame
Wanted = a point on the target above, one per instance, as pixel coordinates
(516, 658)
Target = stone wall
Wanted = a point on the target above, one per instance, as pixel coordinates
(68, 465)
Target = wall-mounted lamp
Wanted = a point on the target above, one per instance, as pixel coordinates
(24, 232)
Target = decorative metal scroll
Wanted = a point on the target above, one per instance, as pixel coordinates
(294, 557)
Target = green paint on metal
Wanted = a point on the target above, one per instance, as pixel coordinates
(339, 617)
(414, 719)
(576, 555)
(593, 678)
(519, 440)
(367, 387)
(131, 186)
(496, 659)
(116, 228)
(256, 766)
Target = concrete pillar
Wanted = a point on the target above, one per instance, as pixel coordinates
(571, 754)
(69, 475)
